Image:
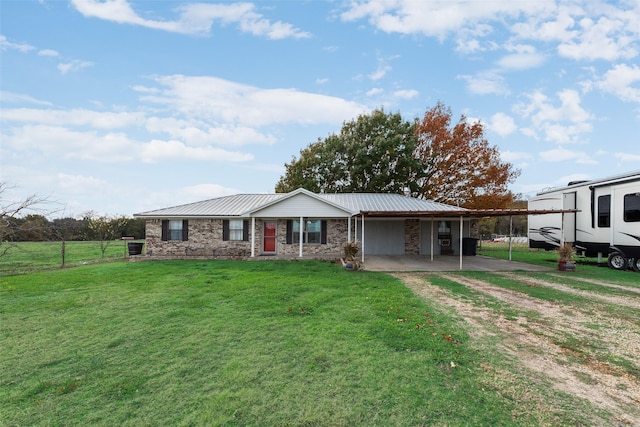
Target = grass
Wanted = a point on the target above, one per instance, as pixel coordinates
(245, 343)
(25, 257)
(585, 267)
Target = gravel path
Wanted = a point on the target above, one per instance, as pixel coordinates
(536, 341)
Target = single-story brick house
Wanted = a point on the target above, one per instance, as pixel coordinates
(252, 225)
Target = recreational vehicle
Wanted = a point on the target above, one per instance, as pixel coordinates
(606, 221)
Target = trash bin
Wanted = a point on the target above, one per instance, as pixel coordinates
(469, 245)
(134, 248)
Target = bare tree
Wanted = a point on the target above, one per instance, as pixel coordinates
(105, 228)
(11, 211)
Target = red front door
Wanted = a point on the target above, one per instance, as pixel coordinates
(269, 237)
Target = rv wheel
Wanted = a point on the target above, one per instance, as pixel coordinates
(636, 265)
(617, 261)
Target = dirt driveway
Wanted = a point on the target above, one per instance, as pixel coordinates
(568, 346)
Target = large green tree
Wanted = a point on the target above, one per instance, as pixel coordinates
(373, 153)
(428, 158)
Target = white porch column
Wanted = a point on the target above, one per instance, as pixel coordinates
(253, 236)
(349, 229)
(461, 233)
(301, 234)
(362, 249)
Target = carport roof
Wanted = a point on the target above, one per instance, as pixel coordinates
(469, 213)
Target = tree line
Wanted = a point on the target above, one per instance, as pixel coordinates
(38, 228)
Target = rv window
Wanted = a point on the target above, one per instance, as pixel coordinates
(632, 207)
(604, 211)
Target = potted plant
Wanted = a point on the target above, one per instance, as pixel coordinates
(565, 257)
(350, 260)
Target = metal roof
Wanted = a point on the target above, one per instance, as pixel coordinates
(242, 204)
(385, 203)
(226, 206)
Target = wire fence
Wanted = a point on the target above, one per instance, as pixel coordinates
(25, 257)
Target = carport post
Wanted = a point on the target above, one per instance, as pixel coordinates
(461, 231)
(362, 240)
(510, 234)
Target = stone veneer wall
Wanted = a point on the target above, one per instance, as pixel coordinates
(412, 236)
(205, 240)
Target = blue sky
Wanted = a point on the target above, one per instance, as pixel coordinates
(123, 106)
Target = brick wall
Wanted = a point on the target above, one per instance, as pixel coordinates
(205, 240)
(412, 236)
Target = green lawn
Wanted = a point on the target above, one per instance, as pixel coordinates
(25, 257)
(246, 343)
(585, 267)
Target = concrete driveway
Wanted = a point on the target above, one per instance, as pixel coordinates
(444, 263)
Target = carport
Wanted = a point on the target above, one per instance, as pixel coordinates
(461, 214)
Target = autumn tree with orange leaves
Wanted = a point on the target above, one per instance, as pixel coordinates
(428, 159)
(458, 166)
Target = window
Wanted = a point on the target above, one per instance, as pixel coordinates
(315, 231)
(235, 230)
(604, 211)
(175, 229)
(632, 207)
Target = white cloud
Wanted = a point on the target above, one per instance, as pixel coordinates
(561, 154)
(19, 98)
(194, 18)
(620, 81)
(628, 157)
(552, 120)
(80, 183)
(502, 124)
(602, 39)
(523, 58)
(485, 83)
(406, 93)
(437, 18)
(375, 91)
(58, 141)
(20, 47)
(74, 117)
(48, 52)
(201, 133)
(218, 100)
(586, 30)
(73, 66)
(157, 150)
(322, 81)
